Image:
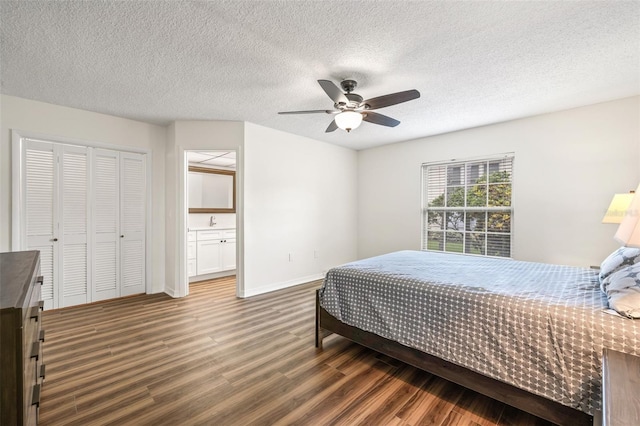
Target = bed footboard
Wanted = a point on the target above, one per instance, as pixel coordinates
(534, 404)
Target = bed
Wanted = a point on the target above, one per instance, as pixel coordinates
(528, 334)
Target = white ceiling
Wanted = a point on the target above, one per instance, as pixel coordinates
(474, 63)
(226, 159)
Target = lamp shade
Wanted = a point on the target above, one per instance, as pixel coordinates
(348, 120)
(628, 233)
(618, 208)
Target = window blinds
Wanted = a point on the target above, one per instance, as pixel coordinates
(467, 206)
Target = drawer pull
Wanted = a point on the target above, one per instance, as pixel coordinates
(42, 369)
(35, 313)
(35, 399)
(41, 305)
(35, 350)
(40, 279)
(41, 337)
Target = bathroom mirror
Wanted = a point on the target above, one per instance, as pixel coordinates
(211, 190)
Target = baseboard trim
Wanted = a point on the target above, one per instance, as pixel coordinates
(280, 285)
(171, 292)
(221, 274)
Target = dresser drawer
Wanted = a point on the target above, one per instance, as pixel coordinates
(21, 337)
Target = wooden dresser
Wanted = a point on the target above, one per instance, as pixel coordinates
(21, 337)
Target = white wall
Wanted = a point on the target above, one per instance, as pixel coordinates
(311, 179)
(171, 231)
(295, 196)
(194, 135)
(84, 126)
(301, 200)
(305, 197)
(567, 167)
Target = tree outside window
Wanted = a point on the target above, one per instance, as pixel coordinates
(468, 207)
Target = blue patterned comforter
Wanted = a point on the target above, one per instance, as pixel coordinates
(537, 326)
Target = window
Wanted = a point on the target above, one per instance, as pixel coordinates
(466, 206)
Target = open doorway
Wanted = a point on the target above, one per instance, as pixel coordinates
(211, 215)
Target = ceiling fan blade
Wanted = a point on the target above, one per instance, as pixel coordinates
(332, 126)
(392, 99)
(333, 91)
(313, 111)
(383, 120)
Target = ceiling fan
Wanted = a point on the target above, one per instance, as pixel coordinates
(350, 109)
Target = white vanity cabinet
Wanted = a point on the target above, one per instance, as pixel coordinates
(192, 250)
(228, 253)
(216, 250)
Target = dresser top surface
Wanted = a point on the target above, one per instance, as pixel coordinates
(16, 271)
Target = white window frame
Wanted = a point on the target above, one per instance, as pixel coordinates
(426, 197)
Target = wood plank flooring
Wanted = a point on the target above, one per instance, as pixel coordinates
(213, 359)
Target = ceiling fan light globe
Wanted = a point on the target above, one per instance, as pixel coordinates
(348, 120)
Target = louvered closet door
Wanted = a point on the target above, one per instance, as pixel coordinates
(106, 223)
(74, 198)
(41, 202)
(132, 223)
(85, 210)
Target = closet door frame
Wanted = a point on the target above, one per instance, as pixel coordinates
(18, 201)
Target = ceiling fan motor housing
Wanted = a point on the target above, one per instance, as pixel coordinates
(354, 100)
(349, 85)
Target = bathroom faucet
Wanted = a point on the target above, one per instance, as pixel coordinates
(211, 222)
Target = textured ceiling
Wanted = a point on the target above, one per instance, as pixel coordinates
(475, 63)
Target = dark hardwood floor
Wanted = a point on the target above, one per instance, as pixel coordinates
(213, 359)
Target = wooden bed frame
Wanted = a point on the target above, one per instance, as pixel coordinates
(526, 401)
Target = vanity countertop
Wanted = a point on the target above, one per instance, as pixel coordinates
(209, 228)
